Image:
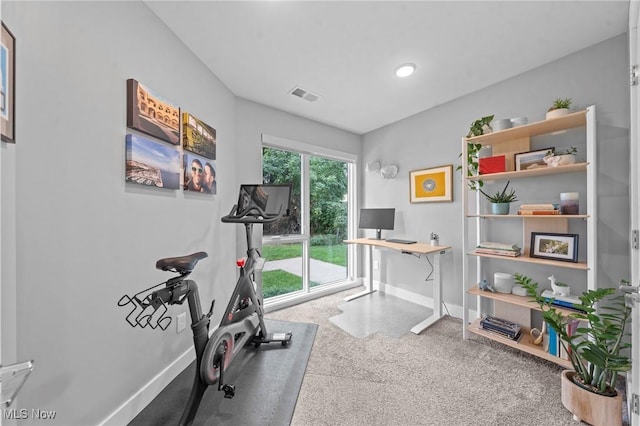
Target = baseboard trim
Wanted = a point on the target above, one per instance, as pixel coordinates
(139, 400)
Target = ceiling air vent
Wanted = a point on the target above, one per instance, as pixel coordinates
(304, 94)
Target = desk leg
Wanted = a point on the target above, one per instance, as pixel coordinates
(369, 289)
(437, 298)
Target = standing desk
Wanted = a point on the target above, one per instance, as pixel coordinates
(416, 248)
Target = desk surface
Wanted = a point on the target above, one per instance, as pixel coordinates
(421, 248)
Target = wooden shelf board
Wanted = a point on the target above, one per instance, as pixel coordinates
(524, 344)
(529, 216)
(570, 121)
(542, 171)
(527, 259)
(524, 301)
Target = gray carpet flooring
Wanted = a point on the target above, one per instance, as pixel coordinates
(435, 378)
(267, 381)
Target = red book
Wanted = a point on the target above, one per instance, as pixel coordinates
(495, 164)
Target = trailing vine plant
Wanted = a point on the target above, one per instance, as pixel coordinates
(477, 128)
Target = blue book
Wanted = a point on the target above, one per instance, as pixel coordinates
(553, 340)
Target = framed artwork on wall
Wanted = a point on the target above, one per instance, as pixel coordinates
(554, 246)
(431, 185)
(150, 113)
(8, 85)
(198, 137)
(199, 174)
(152, 163)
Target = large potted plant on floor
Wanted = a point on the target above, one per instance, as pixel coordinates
(594, 349)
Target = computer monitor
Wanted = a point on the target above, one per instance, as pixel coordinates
(271, 199)
(377, 219)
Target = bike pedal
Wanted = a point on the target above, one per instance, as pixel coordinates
(229, 391)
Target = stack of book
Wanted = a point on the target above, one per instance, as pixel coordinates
(567, 302)
(537, 209)
(502, 327)
(500, 249)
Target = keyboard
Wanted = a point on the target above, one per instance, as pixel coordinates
(397, 241)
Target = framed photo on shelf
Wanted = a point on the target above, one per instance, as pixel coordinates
(431, 185)
(547, 245)
(8, 85)
(530, 159)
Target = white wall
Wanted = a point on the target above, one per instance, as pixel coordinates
(82, 237)
(597, 75)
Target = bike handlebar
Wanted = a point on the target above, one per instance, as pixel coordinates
(254, 214)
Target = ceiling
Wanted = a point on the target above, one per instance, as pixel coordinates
(346, 52)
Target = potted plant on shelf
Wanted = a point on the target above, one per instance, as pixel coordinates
(594, 349)
(478, 128)
(501, 200)
(553, 159)
(559, 108)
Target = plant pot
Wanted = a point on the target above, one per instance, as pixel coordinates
(557, 112)
(500, 208)
(592, 408)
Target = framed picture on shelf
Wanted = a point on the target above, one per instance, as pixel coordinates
(430, 185)
(8, 85)
(547, 245)
(530, 159)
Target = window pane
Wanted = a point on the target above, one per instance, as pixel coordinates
(283, 167)
(329, 206)
(282, 271)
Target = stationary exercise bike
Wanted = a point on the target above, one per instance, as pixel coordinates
(242, 321)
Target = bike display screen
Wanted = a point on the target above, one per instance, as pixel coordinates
(270, 199)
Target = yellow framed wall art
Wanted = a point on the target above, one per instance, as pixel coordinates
(431, 185)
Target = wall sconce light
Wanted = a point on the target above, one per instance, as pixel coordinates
(387, 172)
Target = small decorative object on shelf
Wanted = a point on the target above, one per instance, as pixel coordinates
(503, 282)
(485, 286)
(558, 288)
(501, 124)
(559, 108)
(554, 159)
(569, 203)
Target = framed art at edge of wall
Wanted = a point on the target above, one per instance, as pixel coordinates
(547, 245)
(8, 89)
(431, 185)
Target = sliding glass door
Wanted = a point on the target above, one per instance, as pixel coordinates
(305, 251)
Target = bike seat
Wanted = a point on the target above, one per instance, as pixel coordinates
(180, 264)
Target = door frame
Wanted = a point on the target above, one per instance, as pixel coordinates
(633, 376)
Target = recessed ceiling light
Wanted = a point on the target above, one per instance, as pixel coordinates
(405, 70)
